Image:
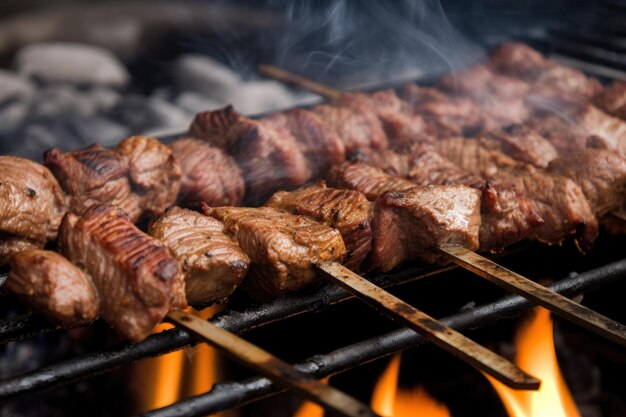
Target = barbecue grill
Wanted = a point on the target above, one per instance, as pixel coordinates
(597, 49)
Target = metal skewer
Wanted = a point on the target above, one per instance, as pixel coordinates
(270, 366)
(433, 330)
(485, 268)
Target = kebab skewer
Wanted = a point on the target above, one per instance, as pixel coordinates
(508, 279)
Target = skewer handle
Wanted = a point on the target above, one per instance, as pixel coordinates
(438, 333)
(270, 366)
(289, 77)
(560, 305)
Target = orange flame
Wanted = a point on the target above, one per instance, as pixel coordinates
(310, 409)
(536, 354)
(390, 401)
(169, 378)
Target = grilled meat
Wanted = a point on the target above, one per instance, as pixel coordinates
(209, 174)
(32, 205)
(93, 175)
(561, 202)
(347, 211)
(562, 84)
(219, 127)
(137, 278)
(410, 224)
(613, 99)
(522, 143)
(569, 129)
(212, 263)
(366, 179)
(356, 129)
(154, 172)
(480, 81)
(445, 115)
(400, 123)
(55, 287)
(601, 174)
(322, 147)
(283, 247)
(518, 60)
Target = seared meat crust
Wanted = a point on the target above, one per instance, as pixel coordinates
(366, 179)
(356, 129)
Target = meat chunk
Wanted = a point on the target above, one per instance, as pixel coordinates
(212, 263)
(613, 99)
(283, 247)
(356, 129)
(51, 284)
(563, 84)
(519, 60)
(93, 175)
(480, 81)
(569, 128)
(409, 225)
(154, 172)
(522, 143)
(209, 174)
(32, 205)
(348, 211)
(267, 153)
(322, 147)
(136, 276)
(366, 179)
(601, 174)
(400, 123)
(561, 202)
(446, 115)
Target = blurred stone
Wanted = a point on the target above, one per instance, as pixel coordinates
(142, 114)
(103, 98)
(259, 97)
(12, 115)
(204, 75)
(71, 63)
(14, 86)
(168, 115)
(195, 103)
(98, 130)
(62, 100)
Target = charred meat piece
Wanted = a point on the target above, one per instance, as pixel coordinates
(400, 123)
(409, 225)
(217, 127)
(522, 143)
(209, 174)
(283, 247)
(322, 147)
(562, 84)
(93, 175)
(154, 172)
(445, 115)
(136, 276)
(356, 129)
(348, 211)
(613, 99)
(366, 179)
(519, 60)
(480, 81)
(569, 128)
(51, 284)
(601, 174)
(32, 205)
(561, 202)
(212, 263)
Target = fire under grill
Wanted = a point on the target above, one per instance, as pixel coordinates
(584, 49)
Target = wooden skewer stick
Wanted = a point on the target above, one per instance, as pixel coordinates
(485, 268)
(289, 77)
(271, 367)
(516, 283)
(433, 330)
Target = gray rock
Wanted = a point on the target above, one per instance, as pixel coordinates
(204, 75)
(14, 86)
(143, 114)
(259, 97)
(103, 98)
(62, 100)
(98, 130)
(12, 115)
(169, 115)
(195, 103)
(71, 63)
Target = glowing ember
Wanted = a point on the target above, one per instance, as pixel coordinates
(536, 355)
(310, 409)
(390, 401)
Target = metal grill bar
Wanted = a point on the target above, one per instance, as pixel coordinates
(235, 321)
(234, 394)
